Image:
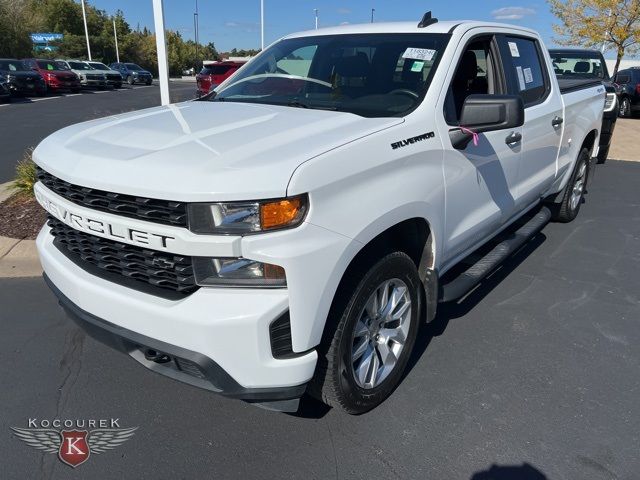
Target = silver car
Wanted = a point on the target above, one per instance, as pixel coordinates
(89, 76)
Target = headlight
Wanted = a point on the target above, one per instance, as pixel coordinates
(237, 272)
(610, 102)
(239, 218)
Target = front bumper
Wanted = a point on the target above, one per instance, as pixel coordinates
(93, 83)
(176, 362)
(222, 333)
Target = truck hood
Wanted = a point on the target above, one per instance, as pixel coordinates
(199, 151)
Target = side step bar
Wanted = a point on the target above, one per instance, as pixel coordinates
(466, 281)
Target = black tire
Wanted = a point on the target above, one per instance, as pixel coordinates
(334, 382)
(603, 154)
(75, 90)
(130, 80)
(566, 210)
(149, 82)
(625, 108)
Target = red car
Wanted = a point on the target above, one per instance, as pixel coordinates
(214, 74)
(57, 76)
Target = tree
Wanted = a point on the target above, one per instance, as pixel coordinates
(591, 23)
(14, 29)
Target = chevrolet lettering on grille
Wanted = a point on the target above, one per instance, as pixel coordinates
(103, 228)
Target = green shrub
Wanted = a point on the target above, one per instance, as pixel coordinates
(25, 175)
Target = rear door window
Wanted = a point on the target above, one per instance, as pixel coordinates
(525, 69)
(623, 78)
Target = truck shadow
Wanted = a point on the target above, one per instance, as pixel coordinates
(510, 472)
(314, 409)
(452, 310)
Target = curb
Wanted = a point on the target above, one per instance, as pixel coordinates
(18, 258)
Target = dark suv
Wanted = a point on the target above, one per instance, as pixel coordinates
(628, 82)
(20, 79)
(132, 73)
(573, 63)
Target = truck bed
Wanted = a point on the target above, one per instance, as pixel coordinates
(569, 84)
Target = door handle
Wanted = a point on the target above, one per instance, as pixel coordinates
(556, 122)
(515, 137)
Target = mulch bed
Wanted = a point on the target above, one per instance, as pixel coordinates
(21, 217)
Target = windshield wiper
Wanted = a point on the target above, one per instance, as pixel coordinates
(297, 104)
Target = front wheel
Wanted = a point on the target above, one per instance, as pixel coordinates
(573, 195)
(130, 80)
(370, 333)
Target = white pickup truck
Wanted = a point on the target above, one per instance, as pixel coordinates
(291, 231)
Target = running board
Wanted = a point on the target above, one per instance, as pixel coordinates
(466, 281)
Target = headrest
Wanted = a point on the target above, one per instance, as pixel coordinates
(582, 67)
(353, 66)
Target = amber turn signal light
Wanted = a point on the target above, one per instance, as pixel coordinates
(282, 213)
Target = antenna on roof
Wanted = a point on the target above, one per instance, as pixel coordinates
(427, 20)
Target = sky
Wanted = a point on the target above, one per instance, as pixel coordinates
(236, 23)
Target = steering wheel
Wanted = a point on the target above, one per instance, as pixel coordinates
(404, 91)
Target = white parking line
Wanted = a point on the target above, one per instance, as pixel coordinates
(43, 98)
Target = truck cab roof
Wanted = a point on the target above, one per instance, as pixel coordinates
(448, 26)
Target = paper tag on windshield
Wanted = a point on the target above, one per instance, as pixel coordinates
(417, 66)
(528, 76)
(419, 54)
(521, 78)
(513, 47)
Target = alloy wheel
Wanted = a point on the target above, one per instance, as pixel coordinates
(380, 333)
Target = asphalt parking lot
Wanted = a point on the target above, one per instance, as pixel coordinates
(534, 375)
(26, 121)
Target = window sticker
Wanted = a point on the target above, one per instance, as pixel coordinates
(513, 46)
(417, 66)
(419, 54)
(528, 75)
(521, 78)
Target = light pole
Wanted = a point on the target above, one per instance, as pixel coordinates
(195, 33)
(372, 11)
(86, 30)
(115, 36)
(315, 10)
(161, 47)
(261, 24)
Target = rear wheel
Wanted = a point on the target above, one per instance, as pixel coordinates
(625, 108)
(369, 336)
(573, 195)
(148, 82)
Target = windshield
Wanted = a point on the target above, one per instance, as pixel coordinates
(99, 66)
(217, 69)
(79, 66)
(372, 75)
(579, 64)
(12, 65)
(133, 66)
(51, 65)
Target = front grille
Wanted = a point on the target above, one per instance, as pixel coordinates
(94, 77)
(149, 209)
(158, 269)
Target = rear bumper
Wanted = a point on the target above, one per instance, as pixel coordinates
(170, 360)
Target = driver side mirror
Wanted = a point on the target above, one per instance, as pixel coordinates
(487, 113)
